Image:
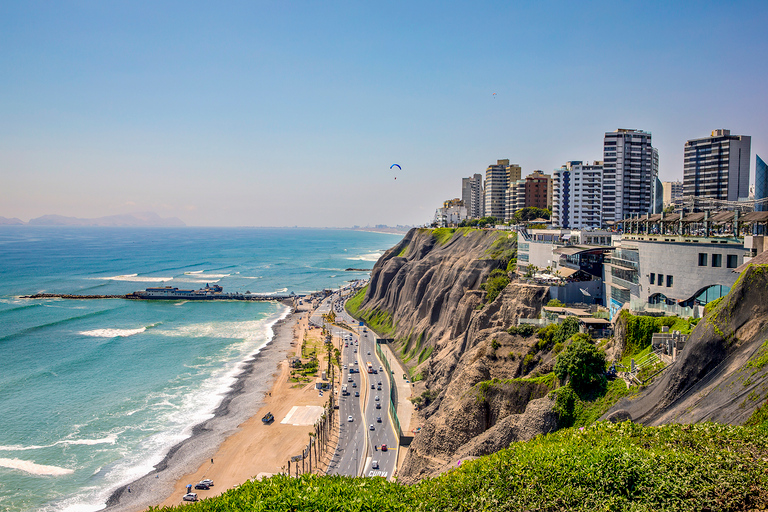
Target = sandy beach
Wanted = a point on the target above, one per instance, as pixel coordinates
(236, 445)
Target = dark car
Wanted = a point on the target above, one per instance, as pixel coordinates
(202, 485)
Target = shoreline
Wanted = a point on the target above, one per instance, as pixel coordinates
(241, 403)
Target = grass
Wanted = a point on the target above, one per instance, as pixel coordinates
(602, 467)
(443, 235)
(503, 248)
(586, 412)
(353, 304)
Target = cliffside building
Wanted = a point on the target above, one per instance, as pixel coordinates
(515, 198)
(451, 214)
(673, 263)
(472, 195)
(498, 179)
(717, 167)
(577, 195)
(630, 169)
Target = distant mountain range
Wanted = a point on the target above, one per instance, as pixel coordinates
(146, 219)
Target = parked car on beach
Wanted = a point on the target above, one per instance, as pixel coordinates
(190, 496)
(203, 486)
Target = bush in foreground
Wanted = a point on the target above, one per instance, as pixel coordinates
(602, 467)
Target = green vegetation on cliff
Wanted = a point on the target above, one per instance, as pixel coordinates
(606, 466)
(496, 282)
(640, 329)
(353, 304)
(378, 320)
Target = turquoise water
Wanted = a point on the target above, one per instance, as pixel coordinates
(93, 393)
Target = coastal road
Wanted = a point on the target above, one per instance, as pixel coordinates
(351, 449)
(375, 409)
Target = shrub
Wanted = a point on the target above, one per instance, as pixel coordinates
(554, 303)
(565, 406)
(526, 330)
(497, 281)
(583, 362)
(568, 328)
(547, 333)
(494, 344)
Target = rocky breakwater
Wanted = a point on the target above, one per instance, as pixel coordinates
(474, 384)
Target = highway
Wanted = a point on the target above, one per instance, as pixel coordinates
(360, 440)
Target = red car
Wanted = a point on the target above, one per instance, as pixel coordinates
(383, 447)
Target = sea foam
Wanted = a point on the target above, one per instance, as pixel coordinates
(113, 333)
(135, 278)
(34, 469)
(373, 256)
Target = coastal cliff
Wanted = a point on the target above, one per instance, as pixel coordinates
(476, 389)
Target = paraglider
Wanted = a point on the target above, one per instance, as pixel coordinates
(494, 95)
(396, 165)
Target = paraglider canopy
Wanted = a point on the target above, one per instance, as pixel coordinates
(396, 165)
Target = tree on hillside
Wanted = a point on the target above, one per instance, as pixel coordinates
(583, 362)
(479, 223)
(529, 213)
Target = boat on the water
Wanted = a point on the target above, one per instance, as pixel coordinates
(169, 292)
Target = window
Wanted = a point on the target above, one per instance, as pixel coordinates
(653, 277)
(661, 280)
(717, 260)
(733, 261)
(669, 281)
(702, 259)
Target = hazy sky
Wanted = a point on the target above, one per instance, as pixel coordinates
(291, 113)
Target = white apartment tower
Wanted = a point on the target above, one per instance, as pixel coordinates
(498, 179)
(630, 169)
(472, 195)
(718, 166)
(577, 193)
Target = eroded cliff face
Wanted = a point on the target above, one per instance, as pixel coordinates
(433, 294)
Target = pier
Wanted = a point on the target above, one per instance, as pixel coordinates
(136, 296)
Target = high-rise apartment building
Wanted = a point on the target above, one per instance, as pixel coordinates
(630, 169)
(673, 192)
(717, 167)
(515, 198)
(497, 181)
(577, 195)
(472, 195)
(538, 188)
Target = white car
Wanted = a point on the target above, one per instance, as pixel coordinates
(350, 418)
(190, 496)
(377, 398)
(375, 464)
(371, 427)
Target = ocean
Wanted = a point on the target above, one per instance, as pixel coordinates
(93, 393)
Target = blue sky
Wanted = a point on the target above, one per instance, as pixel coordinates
(291, 113)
